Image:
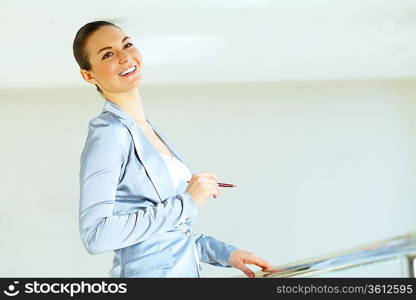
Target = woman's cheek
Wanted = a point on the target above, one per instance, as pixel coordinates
(137, 54)
(110, 72)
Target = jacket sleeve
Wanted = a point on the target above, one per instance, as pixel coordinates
(100, 169)
(213, 251)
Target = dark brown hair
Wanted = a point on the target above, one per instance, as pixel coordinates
(78, 46)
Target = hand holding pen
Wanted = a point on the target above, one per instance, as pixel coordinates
(203, 185)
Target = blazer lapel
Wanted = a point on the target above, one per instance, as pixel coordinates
(148, 155)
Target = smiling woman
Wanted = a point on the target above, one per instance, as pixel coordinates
(134, 200)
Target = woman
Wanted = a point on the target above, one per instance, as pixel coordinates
(132, 182)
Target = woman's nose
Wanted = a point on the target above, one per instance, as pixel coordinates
(123, 56)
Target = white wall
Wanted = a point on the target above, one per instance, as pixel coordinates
(320, 166)
(214, 41)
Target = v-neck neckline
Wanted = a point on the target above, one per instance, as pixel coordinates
(171, 156)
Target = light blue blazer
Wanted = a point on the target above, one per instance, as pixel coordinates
(128, 204)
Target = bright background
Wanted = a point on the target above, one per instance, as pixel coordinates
(308, 106)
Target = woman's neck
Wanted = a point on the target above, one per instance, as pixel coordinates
(131, 103)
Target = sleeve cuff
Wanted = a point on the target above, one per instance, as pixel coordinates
(190, 210)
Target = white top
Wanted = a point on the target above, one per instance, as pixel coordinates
(179, 172)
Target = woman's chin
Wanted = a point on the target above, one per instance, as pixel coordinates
(134, 84)
(133, 79)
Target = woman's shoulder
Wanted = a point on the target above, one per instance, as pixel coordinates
(105, 119)
(106, 126)
(106, 132)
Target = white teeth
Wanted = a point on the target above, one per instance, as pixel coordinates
(128, 71)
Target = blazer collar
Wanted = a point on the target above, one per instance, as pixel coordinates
(149, 156)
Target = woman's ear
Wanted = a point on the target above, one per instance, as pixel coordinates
(87, 76)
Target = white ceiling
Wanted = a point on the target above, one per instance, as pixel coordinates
(189, 41)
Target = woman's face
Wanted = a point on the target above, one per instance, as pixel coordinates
(108, 63)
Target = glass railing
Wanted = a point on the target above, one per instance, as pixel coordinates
(394, 257)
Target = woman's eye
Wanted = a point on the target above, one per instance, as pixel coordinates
(105, 55)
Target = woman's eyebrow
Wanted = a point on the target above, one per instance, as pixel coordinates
(110, 47)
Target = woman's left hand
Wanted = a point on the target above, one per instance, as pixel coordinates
(239, 258)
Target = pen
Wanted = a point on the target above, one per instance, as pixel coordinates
(221, 184)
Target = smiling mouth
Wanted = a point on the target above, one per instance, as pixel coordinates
(131, 71)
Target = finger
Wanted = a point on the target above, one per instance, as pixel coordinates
(266, 266)
(214, 192)
(246, 271)
(208, 174)
(271, 269)
(206, 180)
(214, 187)
(209, 188)
(259, 262)
(210, 184)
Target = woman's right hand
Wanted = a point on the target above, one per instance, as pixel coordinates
(201, 186)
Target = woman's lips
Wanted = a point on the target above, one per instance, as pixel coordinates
(131, 73)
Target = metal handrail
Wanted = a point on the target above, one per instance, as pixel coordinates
(403, 246)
